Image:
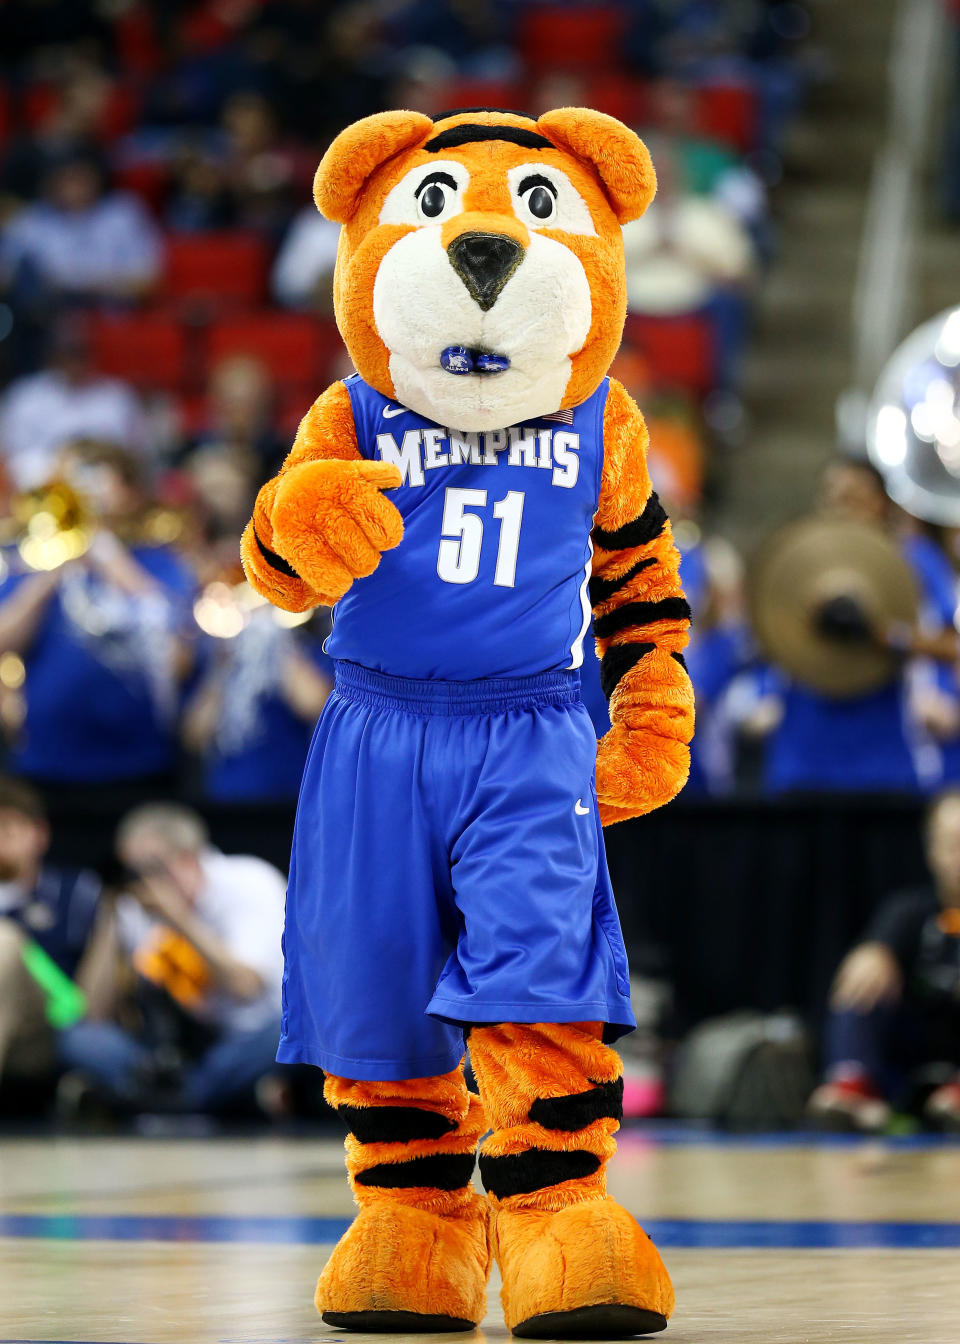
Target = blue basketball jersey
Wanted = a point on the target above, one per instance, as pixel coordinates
(490, 579)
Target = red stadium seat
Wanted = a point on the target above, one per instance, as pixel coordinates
(294, 346)
(679, 350)
(146, 178)
(147, 349)
(728, 112)
(483, 93)
(217, 268)
(622, 96)
(571, 37)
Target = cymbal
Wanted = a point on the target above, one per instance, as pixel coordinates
(809, 563)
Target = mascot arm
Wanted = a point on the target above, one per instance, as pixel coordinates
(322, 521)
(641, 622)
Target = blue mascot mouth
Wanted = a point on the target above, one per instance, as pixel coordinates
(459, 359)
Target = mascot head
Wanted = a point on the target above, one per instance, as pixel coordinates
(480, 275)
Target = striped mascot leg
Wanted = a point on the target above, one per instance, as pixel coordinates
(574, 1263)
(417, 1257)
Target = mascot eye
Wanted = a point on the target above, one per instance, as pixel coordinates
(539, 195)
(540, 203)
(435, 194)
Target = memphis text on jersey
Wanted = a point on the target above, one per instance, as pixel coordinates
(426, 449)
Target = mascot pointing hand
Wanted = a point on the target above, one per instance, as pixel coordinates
(465, 501)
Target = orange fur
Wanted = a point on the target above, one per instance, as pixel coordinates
(517, 1064)
(583, 1255)
(644, 760)
(566, 1246)
(401, 1258)
(411, 1249)
(605, 161)
(324, 514)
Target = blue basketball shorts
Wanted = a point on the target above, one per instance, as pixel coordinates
(447, 868)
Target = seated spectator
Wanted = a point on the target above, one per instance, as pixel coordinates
(82, 243)
(67, 399)
(49, 913)
(101, 639)
(303, 271)
(895, 1004)
(199, 198)
(203, 931)
(264, 174)
(239, 415)
(253, 715)
(684, 248)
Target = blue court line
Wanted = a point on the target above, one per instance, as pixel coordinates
(734, 1234)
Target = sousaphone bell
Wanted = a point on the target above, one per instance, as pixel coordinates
(822, 592)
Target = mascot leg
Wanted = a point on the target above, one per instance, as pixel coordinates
(417, 1256)
(574, 1263)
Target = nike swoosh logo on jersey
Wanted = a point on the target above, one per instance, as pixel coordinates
(390, 411)
(580, 810)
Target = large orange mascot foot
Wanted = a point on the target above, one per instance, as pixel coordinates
(417, 1256)
(575, 1264)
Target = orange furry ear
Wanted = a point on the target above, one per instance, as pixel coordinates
(620, 157)
(357, 152)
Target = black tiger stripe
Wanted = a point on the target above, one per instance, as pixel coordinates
(580, 1109)
(275, 561)
(617, 662)
(601, 589)
(466, 111)
(522, 1173)
(641, 530)
(394, 1124)
(679, 658)
(642, 613)
(469, 133)
(438, 1171)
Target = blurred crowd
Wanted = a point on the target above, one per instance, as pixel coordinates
(165, 320)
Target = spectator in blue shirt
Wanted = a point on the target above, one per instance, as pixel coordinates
(866, 743)
(253, 715)
(102, 641)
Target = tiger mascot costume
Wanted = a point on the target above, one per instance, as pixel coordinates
(463, 501)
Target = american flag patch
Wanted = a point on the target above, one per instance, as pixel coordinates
(562, 417)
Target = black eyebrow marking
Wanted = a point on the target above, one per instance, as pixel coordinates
(437, 176)
(466, 111)
(469, 133)
(537, 180)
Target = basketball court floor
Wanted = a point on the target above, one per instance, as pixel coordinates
(219, 1241)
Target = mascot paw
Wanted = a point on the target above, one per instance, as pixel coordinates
(637, 772)
(285, 590)
(587, 1271)
(330, 522)
(402, 1268)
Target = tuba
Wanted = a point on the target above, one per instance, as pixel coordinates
(913, 427)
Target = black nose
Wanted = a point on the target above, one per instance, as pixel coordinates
(484, 262)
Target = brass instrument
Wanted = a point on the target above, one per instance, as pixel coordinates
(913, 431)
(816, 569)
(49, 525)
(54, 523)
